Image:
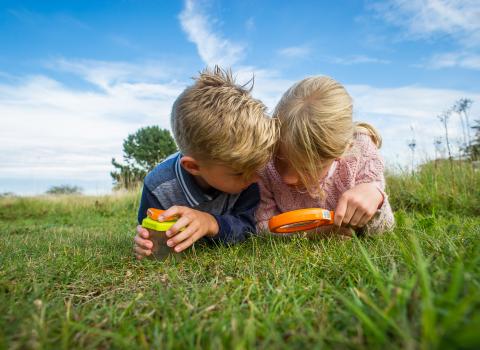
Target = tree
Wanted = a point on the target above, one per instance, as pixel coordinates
(64, 189)
(142, 151)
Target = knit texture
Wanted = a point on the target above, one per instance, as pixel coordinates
(362, 164)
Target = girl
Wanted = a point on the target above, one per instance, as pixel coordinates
(325, 160)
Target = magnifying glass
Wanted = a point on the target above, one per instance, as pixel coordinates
(300, 220)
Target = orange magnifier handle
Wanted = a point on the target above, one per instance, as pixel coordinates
(300, 220)
(154, 213)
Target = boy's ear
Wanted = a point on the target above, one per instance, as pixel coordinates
(190, 164)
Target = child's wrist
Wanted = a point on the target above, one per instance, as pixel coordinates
(382, 195)
(213, 226)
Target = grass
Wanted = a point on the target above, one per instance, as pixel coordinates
(68, 279)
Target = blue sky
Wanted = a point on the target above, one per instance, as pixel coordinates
(76, 77)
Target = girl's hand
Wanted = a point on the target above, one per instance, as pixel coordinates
(358, 205)
(143, 246)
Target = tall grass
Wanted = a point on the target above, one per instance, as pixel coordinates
(436, 188)
(68, 279)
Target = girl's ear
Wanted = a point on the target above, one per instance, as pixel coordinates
(190, 164)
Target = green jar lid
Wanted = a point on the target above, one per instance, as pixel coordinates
(157, 226)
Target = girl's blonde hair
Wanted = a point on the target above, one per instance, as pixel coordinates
(316, 125)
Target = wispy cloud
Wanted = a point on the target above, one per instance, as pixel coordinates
(356, 59)
(426, 18)
(106, 74)
(250, 24)
(453, 60)
(50, 130)
(393, 110)
(295, 51)
(29, 17)
(212, 47)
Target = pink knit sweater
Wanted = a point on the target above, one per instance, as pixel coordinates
(362, 164)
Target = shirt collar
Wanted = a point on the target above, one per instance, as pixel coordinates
(193, 192)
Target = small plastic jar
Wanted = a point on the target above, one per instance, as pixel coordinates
(159, 239)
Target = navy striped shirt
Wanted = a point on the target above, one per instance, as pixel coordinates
(170, 184)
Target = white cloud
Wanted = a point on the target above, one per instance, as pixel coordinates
(426, 18)
(269, 85)
(356, 59)
(454, 59)
(393, 110)
(295, 51)
(106, 73)
(250, 24)
(52, 131)
(212, 47)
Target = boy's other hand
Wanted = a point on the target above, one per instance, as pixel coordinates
(358, 205)
(143, 246)
(190, 227)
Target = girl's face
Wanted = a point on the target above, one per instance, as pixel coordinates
(288, 173)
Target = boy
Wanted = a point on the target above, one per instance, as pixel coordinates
(224, 137)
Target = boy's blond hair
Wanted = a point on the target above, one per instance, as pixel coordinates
(219, 121)
(315, 115)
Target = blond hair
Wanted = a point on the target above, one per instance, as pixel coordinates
(218, 120)
(315, 115)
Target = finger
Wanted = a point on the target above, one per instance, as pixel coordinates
(139, 257)
(172, 211)
(364, 220)
(188, 242)
(143, 243)
(349, 214)
(142, 252)
(357, 216)
(143, 232)
(184, 221)
(340, 211)
(180, 237)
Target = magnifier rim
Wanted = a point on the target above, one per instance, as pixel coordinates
(314, 216)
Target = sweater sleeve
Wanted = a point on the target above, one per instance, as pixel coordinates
(370, 169)
(370, 165)
(267, 207)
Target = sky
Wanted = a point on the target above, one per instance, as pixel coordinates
(77, 77)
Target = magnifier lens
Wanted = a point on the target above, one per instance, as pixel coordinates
(298, 224)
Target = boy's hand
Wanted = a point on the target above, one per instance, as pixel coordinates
(143, 246)
(358, 205)
(195, 225)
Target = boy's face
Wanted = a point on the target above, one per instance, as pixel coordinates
(218, 176)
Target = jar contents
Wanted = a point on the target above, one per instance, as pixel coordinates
(160, 248)
(157, 230)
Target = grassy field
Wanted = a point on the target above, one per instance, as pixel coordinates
(68, 279)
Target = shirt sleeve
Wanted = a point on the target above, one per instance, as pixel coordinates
(148, 200)
(371, 170)
(239, 223)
